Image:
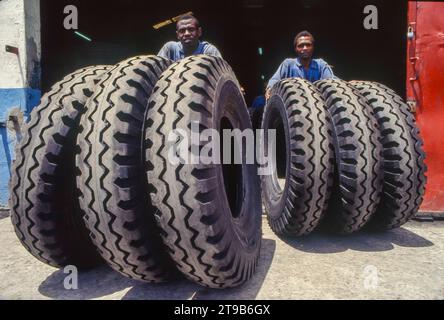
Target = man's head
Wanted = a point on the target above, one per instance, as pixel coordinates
(304, 45)
(188, 30)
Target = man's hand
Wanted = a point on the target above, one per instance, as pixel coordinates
(267, 94)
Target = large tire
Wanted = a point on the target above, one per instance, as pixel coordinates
(304, 158)
(44, 206)
(358, 175)
(404, 167)
(210, 214)
(111, 176)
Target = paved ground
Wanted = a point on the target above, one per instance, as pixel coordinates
(407, 263)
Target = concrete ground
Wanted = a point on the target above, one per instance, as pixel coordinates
(407, 263)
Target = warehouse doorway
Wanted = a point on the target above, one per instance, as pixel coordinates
(254, 36)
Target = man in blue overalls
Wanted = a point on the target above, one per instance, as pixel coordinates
(304, 66)
(188, 32)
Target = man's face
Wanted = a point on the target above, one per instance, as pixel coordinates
(304, 47)
(188, 33)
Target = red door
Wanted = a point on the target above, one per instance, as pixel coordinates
(425, 91)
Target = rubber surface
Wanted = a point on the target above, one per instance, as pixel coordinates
(404, 167)
(210, 214)
(44, 206)
(297, 108)
(111, 178)
(358, 175)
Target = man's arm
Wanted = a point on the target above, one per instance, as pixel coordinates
(212, 51)
(281, 73)
(165, 51)
(326, 71)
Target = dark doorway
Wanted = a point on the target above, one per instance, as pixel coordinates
(239, 28)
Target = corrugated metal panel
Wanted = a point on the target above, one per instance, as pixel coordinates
(425, 91)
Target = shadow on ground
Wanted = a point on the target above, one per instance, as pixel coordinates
(366, 241)
(96, 283)
(104, 281)
(185, 289)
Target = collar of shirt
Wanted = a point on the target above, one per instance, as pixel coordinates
(313, 64)
(198, 50)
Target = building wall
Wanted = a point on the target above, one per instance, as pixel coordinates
(19, 77)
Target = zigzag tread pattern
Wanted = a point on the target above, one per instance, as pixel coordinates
(404, 167)
(117, 212)
(50, 233)
(311, 158)
(198, 234)
(357, 154)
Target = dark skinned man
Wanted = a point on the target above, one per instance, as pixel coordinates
(304, 66)
(188, 33)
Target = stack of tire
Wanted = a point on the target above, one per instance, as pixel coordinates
(349, 156)
(92, 180)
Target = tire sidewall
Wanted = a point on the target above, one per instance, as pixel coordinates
(247, 225)
(274, 196)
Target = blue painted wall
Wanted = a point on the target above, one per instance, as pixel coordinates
(25, 99)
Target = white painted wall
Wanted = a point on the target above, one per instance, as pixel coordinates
(12, 32)
(19, 23)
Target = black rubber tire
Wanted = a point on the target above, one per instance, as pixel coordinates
(215, 242)
(404, 167)
(358, 170)
(44, 207)
(296, 110)
(111, 177)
